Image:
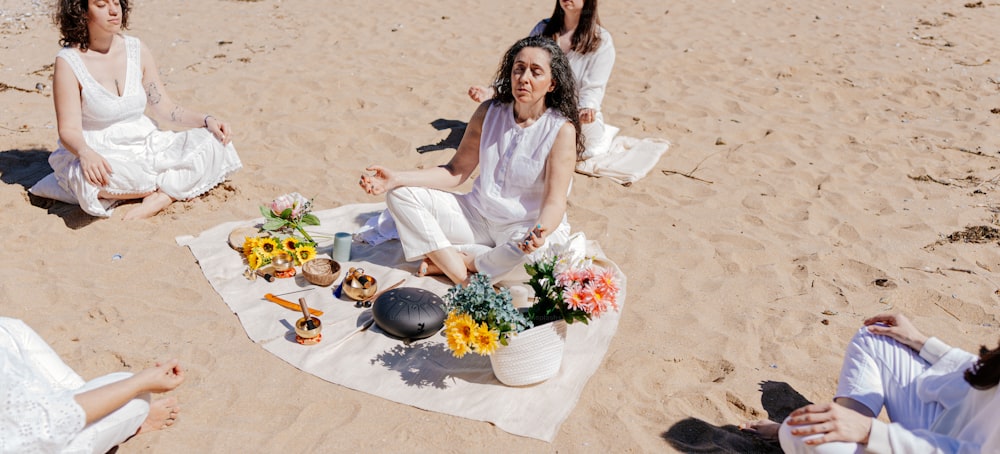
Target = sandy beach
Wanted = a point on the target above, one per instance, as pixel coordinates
(831, 160)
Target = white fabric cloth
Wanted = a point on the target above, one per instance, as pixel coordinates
(932, 408)
(38, 412)
(422, 374)
(591, 72)
(142, 157)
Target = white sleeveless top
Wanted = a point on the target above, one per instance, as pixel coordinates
(510, 186)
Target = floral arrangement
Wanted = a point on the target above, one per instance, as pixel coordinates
(289, 212)
(261, 250)
(574, 290)
(285, 215)
(480, 318)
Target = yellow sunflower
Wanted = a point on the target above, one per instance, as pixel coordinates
(289, 243)
(248, 244)
(458, 329)
(485, 340)
(254, 260)
(267, 245)
(305, 252)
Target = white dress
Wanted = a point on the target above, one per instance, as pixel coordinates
(142, 157)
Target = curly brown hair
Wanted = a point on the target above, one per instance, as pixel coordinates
(71, 18)
(563, 98)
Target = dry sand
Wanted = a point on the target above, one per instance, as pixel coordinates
(836, 144)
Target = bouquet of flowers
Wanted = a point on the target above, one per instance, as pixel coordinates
(480, 318)
(287, 213)
(261, 250)
(574, 290)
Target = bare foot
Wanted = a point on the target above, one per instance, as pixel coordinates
(162, 414)
(767, 430)
(151, 204)
(428, 268)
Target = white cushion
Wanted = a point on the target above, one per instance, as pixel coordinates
(49, 188)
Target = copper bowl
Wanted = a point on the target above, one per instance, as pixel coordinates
(306, 333)
(359, 286)
(321, 271)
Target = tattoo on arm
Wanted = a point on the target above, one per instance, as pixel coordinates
(153, 93)
(176, 114)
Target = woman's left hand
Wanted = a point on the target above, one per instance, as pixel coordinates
(835, 422)
(219, 129)
(534, 240)
(587, 115)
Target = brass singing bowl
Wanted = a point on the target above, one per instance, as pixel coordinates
(306, 333)
(354, 287)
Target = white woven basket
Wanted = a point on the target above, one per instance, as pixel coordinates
(532, 356)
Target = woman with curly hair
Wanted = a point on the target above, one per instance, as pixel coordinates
(525, 143)
(109, 149)
(938, 399)
(576, 27)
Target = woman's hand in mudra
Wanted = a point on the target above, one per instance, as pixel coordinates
(534, 240)
(378, 182)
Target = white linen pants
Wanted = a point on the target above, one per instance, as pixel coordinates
(99, 436)
(429, 220)
(878, 372)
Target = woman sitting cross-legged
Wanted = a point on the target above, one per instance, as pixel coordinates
(938, 399)
(525, 142)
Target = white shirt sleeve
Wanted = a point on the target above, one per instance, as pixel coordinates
(593, 79)
(34, 416)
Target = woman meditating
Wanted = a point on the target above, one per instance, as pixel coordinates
(525, 142)
(938, 399)
(109, 149)
(46, 407)
(576, 26)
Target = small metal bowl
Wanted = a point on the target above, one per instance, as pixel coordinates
(302, 331)
(359, 286)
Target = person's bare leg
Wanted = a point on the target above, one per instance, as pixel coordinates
(162, 414)
(447, 261)
(151, 204)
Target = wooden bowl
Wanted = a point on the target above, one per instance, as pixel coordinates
(321, 271)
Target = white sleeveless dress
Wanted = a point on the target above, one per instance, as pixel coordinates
(143, 158)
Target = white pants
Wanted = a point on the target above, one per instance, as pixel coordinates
(429, 220)
(99, 436)
(878, 372)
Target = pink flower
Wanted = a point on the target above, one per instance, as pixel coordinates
(294, 201)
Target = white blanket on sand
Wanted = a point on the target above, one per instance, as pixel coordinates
(621, 159)
(423, 374)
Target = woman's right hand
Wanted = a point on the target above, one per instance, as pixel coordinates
(898, 327)
(95, 168)
(379, 182)
(162, 377)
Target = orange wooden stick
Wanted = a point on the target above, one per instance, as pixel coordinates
(290, 305)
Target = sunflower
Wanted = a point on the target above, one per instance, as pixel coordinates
(248, 244)
(254, 260)
(289, 243)
(485, 340)
(305, 252)
(267, 245)
(459, 329)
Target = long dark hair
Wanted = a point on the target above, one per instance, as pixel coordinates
(587, 37)
(71, 18)
(985, 374)
(563, 97)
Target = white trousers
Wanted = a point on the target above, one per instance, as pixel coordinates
(429, 220)
(878, 372)
(99, 436)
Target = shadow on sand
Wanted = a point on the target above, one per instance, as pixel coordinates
(454, 137)
(696, 436)
(27, 167)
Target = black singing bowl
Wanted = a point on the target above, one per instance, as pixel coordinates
(409, 313)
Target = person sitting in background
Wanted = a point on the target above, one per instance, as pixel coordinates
(109, 150)
(938, 399)
(47, 407)
(576, 26)
(525, 142)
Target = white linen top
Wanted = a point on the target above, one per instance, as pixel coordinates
(590, 71)
(510, 186)
(970, 422)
